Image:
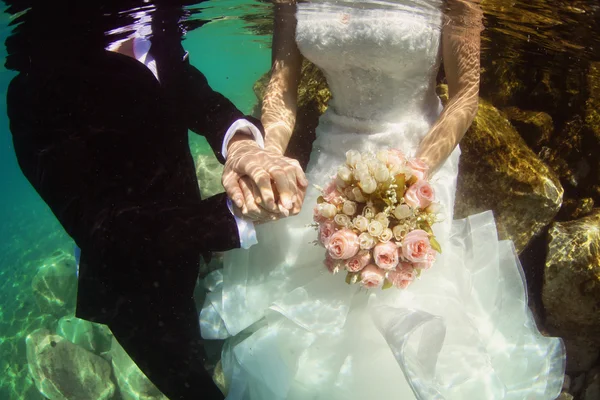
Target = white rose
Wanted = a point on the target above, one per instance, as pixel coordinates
(349, 208)
(382, 219)
(398, 232)
(353, 157)
(358, 195)
(369, 212)
(344, 173)
(434, 208)
(368, 185)
(375, 228)
(382, 156)
(340, 183)
(360, 223)
(373, 165)
(361, 167)
(342, 220)
(386, 235)
(382, 174)
(366, 241)
(402, 211)
(363, 175)
(327, 210)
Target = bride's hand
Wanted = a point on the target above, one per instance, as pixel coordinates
(269, 173)
(252, 204)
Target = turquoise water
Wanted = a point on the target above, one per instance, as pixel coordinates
(232, 59)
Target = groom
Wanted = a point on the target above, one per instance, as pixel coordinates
(102, 137)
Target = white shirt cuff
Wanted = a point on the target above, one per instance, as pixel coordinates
(237, 126)
(245, 229)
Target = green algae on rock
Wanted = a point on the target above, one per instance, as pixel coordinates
(571, 292)
(499, 172)
(133, 384)
(92, 337)
(535, 127)
(64, 371)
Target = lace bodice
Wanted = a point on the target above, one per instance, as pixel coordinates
(380, 58)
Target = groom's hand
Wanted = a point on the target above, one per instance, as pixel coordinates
(270, 175)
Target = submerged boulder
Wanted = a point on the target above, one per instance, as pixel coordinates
(64, 371)
(55, 285)
(571, 292)
(92, 337)
(499, 172)
(133, 384)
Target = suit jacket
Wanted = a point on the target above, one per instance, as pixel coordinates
(106, 146)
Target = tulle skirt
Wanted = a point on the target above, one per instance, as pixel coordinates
(463, 330)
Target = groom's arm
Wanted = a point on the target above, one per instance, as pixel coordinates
(213, 116)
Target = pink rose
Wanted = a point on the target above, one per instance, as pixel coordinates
(358, 262)
(332, 195)
(330, 263)
(429, 260)
(343, 244)
(317, 217)
(402, 276)
(419, 167)
(386, 255)
(420, 194)
(416, 246)
(372, 277)
(326, 229)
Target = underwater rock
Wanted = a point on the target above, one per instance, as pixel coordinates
(92, 337)
(55, 285)
(565, 396)
(571, 292)
(582, 354)
(133, 384)
(64, 371)
(499, 172)
(209, 171)
(575, 208)
(535, 127)
(592, 389)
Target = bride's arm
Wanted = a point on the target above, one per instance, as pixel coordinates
(460, 52)
(279, 103)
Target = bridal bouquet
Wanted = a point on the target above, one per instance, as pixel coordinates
(375, 217)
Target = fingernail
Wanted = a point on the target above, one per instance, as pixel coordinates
(288, 204)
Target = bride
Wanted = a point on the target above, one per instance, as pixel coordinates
(461, 331)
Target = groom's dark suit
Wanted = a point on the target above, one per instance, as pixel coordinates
(105, 145)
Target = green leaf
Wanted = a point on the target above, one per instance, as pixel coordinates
(349, 277)
(425, 226)
(320, 200)
(412, 180)
(386, 285)
(399, 180)
(435, 244)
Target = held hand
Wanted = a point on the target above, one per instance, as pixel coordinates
(262, 168)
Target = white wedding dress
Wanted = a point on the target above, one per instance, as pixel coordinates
(461, 331)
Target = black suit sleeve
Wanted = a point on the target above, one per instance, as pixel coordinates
(208, 112)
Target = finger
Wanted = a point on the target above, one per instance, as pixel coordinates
(282, 184)
(262, 179)
(251, 209)
(299, 172)
(233, 189)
